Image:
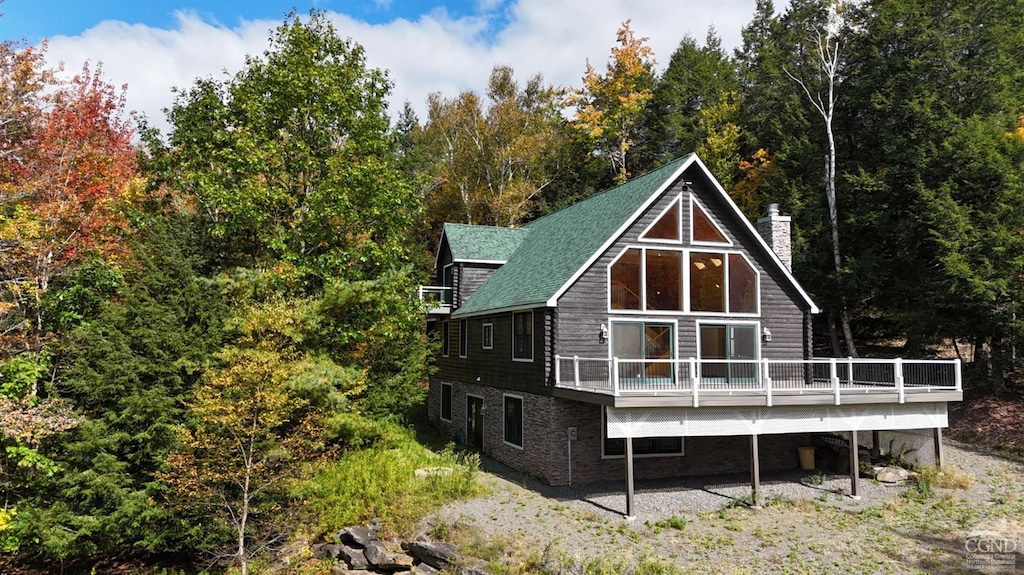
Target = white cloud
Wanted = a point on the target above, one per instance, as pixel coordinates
(433, 53)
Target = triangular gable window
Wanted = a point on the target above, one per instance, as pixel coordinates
(666, 227)
(703, 228)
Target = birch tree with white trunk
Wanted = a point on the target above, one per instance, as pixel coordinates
(822, 97)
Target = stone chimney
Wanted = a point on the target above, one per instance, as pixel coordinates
(775, 230)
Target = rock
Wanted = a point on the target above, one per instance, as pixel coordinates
(472, 571)
(354, 558)
(425, 472)
(891, 475)
(325, 550)
(386, 560)
(359, 536)
(341, 570)
(437, 555)
(423, 569)
(376, 551)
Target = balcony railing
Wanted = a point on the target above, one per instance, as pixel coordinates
(765, 377)
(440, 298)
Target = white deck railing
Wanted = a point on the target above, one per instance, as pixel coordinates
(653, 377)
(440, 298)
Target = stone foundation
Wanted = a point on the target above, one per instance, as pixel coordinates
(545, 452)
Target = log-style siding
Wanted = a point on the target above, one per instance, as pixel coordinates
(495, 367)
(584, 306)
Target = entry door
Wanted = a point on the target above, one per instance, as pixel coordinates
(733, 352)
(475, 421)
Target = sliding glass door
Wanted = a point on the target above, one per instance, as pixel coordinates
(728, 353)
(635, 343)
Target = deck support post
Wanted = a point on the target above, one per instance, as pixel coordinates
(854, 466)
(876, 448)
(937, 438)
(755, 473)
(629, 479)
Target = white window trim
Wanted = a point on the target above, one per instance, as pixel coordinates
(604, 434)
(685, 287)
(522, 418)
(446, 344)
(678, 201)
(757, 333)
(451, 406)
(489, 326)
(644, 319)
(728, 242)
(463, 338)
(532, 337)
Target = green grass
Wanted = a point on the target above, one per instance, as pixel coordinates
(381, 482)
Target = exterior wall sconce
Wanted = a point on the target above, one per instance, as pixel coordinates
(766, 335)
(603, 336)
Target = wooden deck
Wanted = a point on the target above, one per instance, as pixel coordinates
(762, 383)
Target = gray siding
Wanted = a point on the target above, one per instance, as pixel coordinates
(470, 278)
(584, 306)
(495, 367)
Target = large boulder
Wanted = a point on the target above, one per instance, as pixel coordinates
(385, 559)
(353, 558)
(357, 536)
(437, 555)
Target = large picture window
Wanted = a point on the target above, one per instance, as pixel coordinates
(522, 336)
(649, 279)
(514, 420)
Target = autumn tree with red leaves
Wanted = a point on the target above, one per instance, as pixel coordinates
(69, 166)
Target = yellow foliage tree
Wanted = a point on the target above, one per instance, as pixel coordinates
(610, 106)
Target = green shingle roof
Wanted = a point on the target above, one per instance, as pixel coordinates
(558, 245)
(483, 243)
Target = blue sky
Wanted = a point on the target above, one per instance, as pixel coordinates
(36, 19)
(426, 46)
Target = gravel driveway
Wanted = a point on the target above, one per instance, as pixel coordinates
(808, 524)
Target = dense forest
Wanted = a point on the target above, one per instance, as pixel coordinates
(206, 334)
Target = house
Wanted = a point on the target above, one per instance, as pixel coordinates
(650, 331)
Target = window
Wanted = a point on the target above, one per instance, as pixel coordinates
(664, 279)
(514, 420)
(728, 353)
(625, 288)
(522, 335)
(707, 281)
(463, 337)
(488, 334)
(649, 279)
(667, 226)
(446, 402)
(445, 342)
(703, 228)
(644, 446)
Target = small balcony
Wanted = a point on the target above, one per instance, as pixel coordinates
(439, 298)
(766, 382)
